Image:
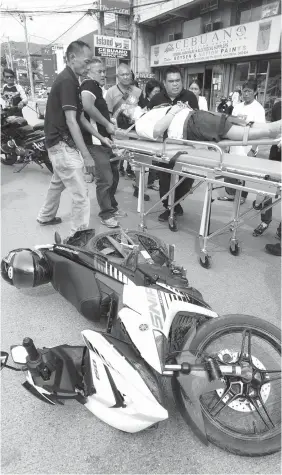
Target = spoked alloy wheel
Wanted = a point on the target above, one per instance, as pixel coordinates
(154, 246)
(245, 418)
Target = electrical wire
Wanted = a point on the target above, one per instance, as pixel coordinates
(89, 11)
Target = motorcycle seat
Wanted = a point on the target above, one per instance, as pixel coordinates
(78, 285)
(39, 126)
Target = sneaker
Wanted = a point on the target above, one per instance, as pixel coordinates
(130, 174)
(136, 193)
(153, 186)
(274, 249)
(52, 222)
(178, 210)
(260, 229)
(120, 214)
(110, 222)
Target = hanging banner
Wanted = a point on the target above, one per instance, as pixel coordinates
(112, 47)
(258, 37)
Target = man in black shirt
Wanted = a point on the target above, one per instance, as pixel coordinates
(106, 172)
(172, 94)
(64, 141)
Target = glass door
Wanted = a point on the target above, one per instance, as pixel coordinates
(216, 86)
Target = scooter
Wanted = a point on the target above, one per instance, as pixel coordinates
(224, 371)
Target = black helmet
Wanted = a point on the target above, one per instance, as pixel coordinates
(25, 268)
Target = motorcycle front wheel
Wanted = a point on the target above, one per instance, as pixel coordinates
(245, 418)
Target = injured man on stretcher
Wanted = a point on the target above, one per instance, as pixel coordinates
(182, 122)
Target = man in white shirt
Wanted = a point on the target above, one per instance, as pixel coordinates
(251, 111)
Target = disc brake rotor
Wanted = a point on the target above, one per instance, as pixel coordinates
(241, 404)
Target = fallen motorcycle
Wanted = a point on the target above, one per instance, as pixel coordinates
(225, 371)
(22, 143)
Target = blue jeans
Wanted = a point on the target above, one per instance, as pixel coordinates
(107, 178)
(68, 174)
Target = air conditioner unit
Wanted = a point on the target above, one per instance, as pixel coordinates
(171, 37)
(217, 25)
(207, 27)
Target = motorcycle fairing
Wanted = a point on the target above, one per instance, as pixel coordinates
(140, 409)
(154, 310)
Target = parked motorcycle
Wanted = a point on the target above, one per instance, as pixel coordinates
(225, 371)
(22, 143)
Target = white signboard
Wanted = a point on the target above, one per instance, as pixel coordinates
(258, 37)
(112, 47)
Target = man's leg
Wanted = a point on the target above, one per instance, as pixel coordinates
(266, 218)
(48, 212)
(114, 186)
(70, 169)
(104, 180)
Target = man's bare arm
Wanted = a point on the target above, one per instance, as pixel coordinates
(94, 113)
(87, 126)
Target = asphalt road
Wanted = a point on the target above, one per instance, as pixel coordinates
(40, 439)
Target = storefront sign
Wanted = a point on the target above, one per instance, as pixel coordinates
(122, 7)
(258, 37)
(145, 75)
(112, 47)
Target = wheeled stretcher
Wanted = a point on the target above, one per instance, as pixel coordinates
(207, 164)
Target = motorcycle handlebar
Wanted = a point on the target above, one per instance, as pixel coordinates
(31, 349)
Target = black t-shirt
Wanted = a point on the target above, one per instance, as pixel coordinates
(64, 96)
(184, 96)
(89, 86)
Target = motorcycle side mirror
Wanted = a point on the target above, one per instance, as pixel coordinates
(58, 239)
(19, 354)
(4, 358)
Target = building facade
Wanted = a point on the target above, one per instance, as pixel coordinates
(219, 42)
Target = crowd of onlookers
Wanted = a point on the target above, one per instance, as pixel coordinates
(80, 122)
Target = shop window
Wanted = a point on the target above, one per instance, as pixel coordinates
(262, 67)
(241, 74)
(253, 68)
(273, 88)
(248, 11)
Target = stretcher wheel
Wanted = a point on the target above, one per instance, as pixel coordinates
(205, 262)
(172, 224)
(234, 249)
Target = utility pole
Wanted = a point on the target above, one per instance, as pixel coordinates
(23, 18)
(10, 53)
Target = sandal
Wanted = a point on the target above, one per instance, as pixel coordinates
(225, 198)
(260, 229)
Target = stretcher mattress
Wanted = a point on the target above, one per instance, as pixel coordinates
(202, 158)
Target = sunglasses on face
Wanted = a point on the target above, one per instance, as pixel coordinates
(9, 77)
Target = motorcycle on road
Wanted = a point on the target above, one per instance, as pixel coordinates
(22, 143)
(224, 370)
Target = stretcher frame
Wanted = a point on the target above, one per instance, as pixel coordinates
(212, 177)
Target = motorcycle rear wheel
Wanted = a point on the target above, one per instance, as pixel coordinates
(256, 429)
(156, 248)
